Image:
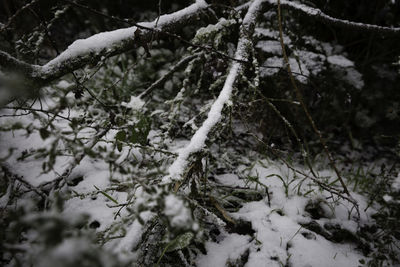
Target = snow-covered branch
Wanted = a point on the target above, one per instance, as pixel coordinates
(317, 14)
(103, 45)
(242, 53)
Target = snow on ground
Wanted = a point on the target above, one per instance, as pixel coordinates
(280, 237)
(135, 103)
(340, 61)
(304, 62)
(396, 183)
(231, 247)
(280, 220)
(272, 65)
(179, 215)
(272, 47)
(91, 176)
(20, 143)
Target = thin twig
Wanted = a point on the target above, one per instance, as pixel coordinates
(171, 71)
(75, 162)
(13, 17)
(301, 100)
(317, 14)
(7, 172)
(36, 110)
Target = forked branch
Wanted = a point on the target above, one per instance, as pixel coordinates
(242, 53)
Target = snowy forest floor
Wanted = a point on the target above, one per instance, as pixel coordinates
(168, 155)
(263, 211)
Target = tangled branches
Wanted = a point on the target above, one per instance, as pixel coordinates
(166, 129)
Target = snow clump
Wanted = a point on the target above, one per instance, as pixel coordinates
(178, 214)
(136, 103)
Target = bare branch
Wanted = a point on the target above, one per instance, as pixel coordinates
(107, 44)
(13, 17)
(317, 14)
(165, 77)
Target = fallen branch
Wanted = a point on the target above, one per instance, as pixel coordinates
(317, 14)
(242, 53)
(102, 45)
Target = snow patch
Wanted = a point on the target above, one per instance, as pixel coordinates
(354, 78)
(134, 234)
(63, 84)
(179, 216)
(272, 47)
(135, 103)
(230, 179)
(274, 64)
(396, 183)
(229, 249)
(340, 61)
